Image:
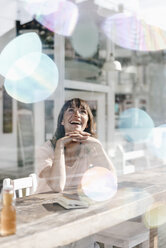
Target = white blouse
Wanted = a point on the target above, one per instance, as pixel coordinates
(45, 158)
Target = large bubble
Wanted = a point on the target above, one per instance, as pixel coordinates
(85, 38)
(155, 216)
(13, 56)
(157, 142)
(99, 184)
(135, 124)
(133, 32)
(24, 66)
(36, 87)
(63, 20)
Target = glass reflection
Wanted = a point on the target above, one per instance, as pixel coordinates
(36, 87)
(135, 124)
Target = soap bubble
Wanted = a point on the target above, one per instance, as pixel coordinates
(157, 142)
(61, 21)
(24, 66)
(133, 32)
(27, 46)
(36, 87)
(85, 39)
(155, 216)
(99, 184)
(135, 124)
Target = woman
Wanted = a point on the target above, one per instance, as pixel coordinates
(73, 149)
(62, 161)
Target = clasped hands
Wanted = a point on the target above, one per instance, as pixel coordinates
(78, 137)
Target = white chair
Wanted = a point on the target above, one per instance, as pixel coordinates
(125, 235)
(124, 157)
(27, 184)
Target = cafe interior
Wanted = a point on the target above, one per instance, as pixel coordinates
(112, 54)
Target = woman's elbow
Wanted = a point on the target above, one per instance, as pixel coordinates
(56, 187)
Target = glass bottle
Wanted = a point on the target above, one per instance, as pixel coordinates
(8, 212)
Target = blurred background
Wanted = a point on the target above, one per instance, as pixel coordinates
(111, 53)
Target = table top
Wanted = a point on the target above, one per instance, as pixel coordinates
(40, 223)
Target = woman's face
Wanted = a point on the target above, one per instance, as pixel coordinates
(75, 119)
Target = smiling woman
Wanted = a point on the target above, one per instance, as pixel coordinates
(63, 160)
(75, 119)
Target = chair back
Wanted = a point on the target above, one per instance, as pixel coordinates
(22, 186)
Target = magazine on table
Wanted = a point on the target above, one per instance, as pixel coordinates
(71, 201)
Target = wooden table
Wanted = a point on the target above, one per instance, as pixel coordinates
(40, 223)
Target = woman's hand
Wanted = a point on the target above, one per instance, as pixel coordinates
(83, 137)
(75, 136)
(64, 141)
(78, 136)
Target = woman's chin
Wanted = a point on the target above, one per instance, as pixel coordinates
(75, 128)
(78, 128)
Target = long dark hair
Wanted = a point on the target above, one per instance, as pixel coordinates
(75, 102)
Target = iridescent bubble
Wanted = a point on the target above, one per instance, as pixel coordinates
(135, 124)
(132, 32)
(156, 215)
(24, 66)
(36, 87)
(63, 20)
(40, 7)
(85, 39)
(157, 142)
(99, 184)
(16, 51)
